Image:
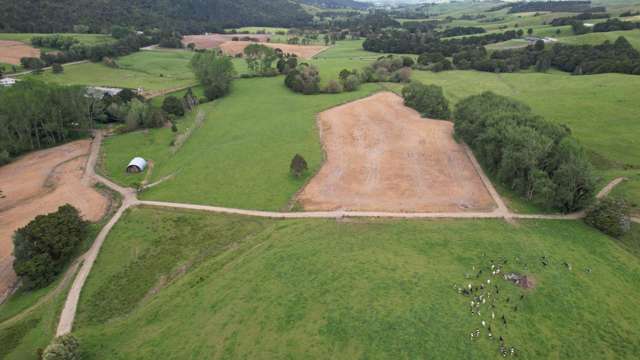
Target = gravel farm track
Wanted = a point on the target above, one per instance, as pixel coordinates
(129, 199)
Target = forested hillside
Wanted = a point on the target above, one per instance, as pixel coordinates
(337, 4)
(189, 16)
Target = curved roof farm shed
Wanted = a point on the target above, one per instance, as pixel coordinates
(136, 165)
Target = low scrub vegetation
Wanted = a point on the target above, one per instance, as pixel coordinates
(535, 158)
(611, 216)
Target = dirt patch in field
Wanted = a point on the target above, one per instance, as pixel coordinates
(12, 51)
(382, 156)
(215, 40)
(303, 51)
(38, 184)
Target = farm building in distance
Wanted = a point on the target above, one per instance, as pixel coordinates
(136, 165)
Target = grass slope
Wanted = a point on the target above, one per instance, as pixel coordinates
(240, 157)
(192, 285)
(150, 70)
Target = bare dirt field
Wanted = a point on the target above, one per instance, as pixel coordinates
(215, 40)
(382, 156)
(12, 51)
(303, 51)
(38, 184)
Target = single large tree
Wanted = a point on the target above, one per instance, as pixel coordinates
(44, 246)
(214, 71)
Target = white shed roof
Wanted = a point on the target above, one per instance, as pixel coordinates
(139, 162)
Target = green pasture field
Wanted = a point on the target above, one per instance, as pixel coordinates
(88, 39)
(150, 70)
(178, 284)
(598, 38)
(21, 339)
(240, 157)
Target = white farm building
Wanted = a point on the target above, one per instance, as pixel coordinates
(136, 165)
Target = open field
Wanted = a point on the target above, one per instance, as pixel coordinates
(383, 156)
(598, 38)
(38, 184)
(240, 156)
(195, 285)
(150, 70)
(303, 51)
(12, 51)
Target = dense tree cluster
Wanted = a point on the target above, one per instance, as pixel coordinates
(35, 115)
(405, 42)
(45, 245)
(260, 59)
(428, 100)
(617, 57)
(188, 17)
(569, 20)
(95, 53)
(537, 159)
(615, 25)
(554, 6)
(462, 30)
(55, 41)
(214, 71)
(388, 69)
(610, 215)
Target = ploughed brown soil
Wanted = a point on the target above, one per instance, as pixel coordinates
(382, 156)
(214, 40)
(303, 51)
(12, 51)
(38, 184)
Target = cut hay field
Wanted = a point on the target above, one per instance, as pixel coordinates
(192, 285)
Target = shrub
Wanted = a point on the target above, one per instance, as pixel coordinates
(298, 165)
(333, 87)
(173, 105)
(610, 215)
(304, 79)
(401, 76)
(428, 100)
(351, 83)
(64, 347)
(44, 246)
(110, 62)
(57, 68)
(407, 61)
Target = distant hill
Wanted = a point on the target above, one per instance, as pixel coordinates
(188, 16)
(337, 4)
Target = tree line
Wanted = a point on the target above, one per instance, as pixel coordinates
(405, 42)
(554, 6)
(36, 115)
(537, 159)
(569, 20)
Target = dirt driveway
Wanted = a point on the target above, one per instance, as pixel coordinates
(37, 184)
(12, 51)
(303, 51)
(382, 156)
